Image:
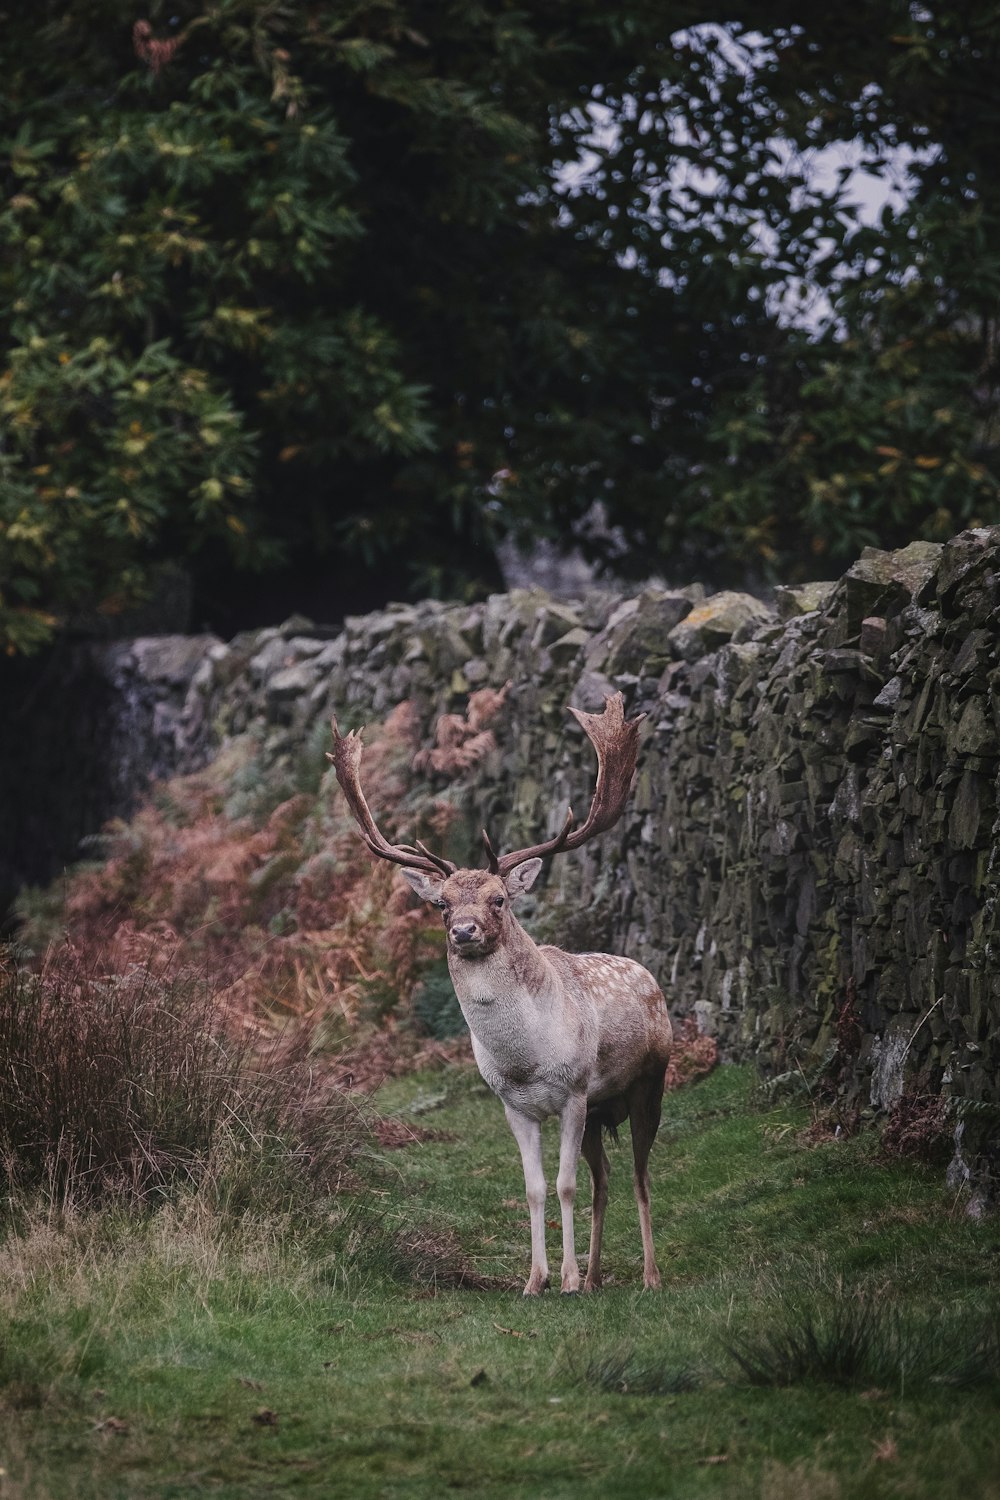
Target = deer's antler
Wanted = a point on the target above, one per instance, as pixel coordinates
(346, 757)
(616, 740)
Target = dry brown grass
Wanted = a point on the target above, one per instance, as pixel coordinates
(126, 1085)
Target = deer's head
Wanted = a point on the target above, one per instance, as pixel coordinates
(476, 903)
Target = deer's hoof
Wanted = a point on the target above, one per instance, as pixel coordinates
(536, 1286)
(593, 1286)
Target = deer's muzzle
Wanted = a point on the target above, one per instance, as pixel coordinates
(464, 933)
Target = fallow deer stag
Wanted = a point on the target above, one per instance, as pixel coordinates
(584, 1036)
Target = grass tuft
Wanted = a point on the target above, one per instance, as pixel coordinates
(844, 1339)
(851, 1338)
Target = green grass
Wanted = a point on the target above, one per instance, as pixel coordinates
(185, 1356)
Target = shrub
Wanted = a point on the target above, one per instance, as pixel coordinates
(125, 1085)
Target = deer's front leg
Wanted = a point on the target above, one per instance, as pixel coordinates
(572, 1123)
(528, 1134)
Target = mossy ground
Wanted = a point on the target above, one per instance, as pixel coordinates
(184, 1356)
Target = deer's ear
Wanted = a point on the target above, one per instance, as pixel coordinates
(523, 877)
(427, 887)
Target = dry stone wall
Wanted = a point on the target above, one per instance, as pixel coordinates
(809, 860)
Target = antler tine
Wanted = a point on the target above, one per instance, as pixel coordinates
(346, 758)
(491, 854)
(616, 740)
(444, 865)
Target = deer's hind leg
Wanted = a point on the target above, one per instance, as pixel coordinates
(645, 1103)
(594, 1154)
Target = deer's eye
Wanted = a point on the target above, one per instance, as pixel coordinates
(498, 902)
(441, 905)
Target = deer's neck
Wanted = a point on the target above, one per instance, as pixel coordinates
(525, 1037)
(514, 976)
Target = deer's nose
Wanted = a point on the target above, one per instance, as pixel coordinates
(465, 932)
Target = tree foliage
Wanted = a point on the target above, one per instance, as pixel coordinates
(840, 383)
(318, 287)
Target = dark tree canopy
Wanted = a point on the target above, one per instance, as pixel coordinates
(307, 288)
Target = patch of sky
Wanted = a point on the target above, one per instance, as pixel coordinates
(858, 184)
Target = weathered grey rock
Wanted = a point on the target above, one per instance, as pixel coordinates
(712, 624)
(882, 583)
(963, 557)
(639, 631)
(590, 691)
(873, 636)
(292, 681)
(569, 646)
(170, 660)
(801, 599)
